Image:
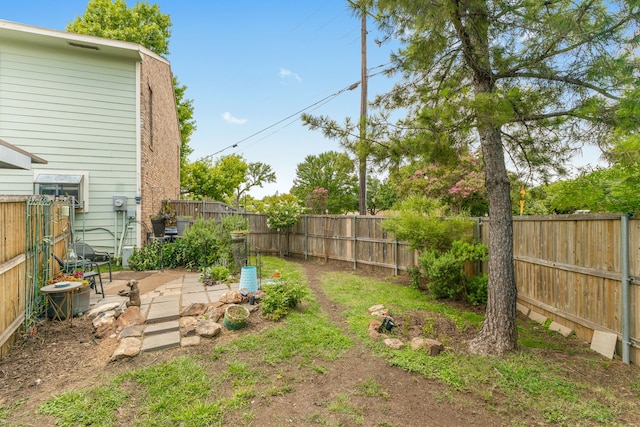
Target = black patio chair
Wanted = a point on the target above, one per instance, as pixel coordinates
(85, 251)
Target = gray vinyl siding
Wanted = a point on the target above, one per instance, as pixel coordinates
(77, 110)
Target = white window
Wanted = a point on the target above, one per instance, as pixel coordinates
(63, 186)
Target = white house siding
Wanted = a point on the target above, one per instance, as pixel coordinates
(76, 108)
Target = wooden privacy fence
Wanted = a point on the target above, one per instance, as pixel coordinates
(569, 268)
(30, 230)
(574, 270)
(354, 239)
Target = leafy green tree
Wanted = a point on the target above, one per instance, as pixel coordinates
(282, 213)
(335, 173)
(607, 190)
(143, 23)
(257, 175)
(381, 196)
(421, 222)
(146, 25)
(534, 79)
(215, 181)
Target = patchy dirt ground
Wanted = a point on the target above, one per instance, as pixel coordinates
(60, 357)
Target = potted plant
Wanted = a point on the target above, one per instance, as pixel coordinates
(235, 317)
(238, 235)
(166, 216)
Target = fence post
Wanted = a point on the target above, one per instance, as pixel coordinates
(395, 255)
(306, 237)
(355, 243)
(624, 269)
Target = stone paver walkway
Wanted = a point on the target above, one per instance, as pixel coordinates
(162, 308)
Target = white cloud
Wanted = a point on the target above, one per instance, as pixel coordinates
(233, 120)
(284, 73)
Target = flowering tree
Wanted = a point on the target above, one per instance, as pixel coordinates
(460, 186)
(318, 200)
(282, 215)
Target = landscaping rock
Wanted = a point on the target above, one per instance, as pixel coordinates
(381, 314)
(375, 335)
(394, 343)
(131, 331)
(375, 308)
(208, 328)
(104, 317)
(190, 341)
(215, 313)
(194, 309)
(433, 347)
(214, 304)
(128, 347)
(105, 328)
(231, 297)
(374, 325)
(95, 311)
(188, 326)
(131, 316)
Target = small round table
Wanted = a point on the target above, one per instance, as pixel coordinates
(62, 308)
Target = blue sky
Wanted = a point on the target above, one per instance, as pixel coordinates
(249, 64)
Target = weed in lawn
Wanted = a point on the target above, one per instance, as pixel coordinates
(248, 417)
(279, 390)
(428, 328)
(240, 374)
(341, 405)
(372, 388)
(319, 369)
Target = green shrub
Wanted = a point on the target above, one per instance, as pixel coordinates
(146, 258)
(205, 243)
(218, 272)
(477, 289)
(416, 277)
(280, 297)
(446, 276)
(422, 223)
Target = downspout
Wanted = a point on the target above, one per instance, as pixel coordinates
(624, 270)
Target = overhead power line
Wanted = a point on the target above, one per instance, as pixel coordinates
(325, 99)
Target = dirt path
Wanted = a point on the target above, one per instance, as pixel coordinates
(406, 399)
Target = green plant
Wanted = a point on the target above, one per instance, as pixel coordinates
(280, 297)
(422, 223)
(167, 213)
(216, 273)
(416, 275)
(283, 214)
(446, 274)
(146, 257)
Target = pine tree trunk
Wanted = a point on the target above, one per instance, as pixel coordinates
(498, 334)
